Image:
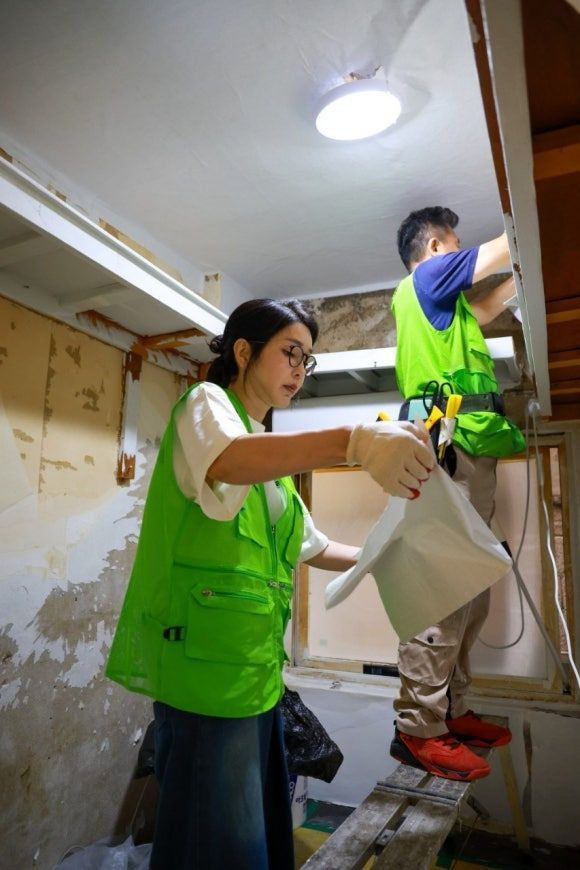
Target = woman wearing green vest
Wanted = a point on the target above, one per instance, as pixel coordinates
(202, 626)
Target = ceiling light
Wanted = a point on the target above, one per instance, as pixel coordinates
(357, 109)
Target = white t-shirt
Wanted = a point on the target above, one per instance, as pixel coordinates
(204, 426)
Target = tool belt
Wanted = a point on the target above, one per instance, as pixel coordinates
(415, 406)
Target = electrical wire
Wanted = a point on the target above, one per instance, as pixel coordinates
(522, 589)
(519, 550)
(561, 615)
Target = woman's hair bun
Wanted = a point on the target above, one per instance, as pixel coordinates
(216, 345)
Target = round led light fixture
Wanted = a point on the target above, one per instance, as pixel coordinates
(357, 109)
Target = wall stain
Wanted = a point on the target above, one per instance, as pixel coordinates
(59, 464)
(3, 352)
(354, 321)
(18, 433)
(12, 325)
(75, 353)
(89, 460)
(93, 403)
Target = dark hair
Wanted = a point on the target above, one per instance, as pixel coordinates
(257, 321)
(415, 231)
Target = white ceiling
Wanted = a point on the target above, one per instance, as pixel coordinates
(190, 125)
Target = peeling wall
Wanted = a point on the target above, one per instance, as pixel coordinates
(69, 737)
(356, 321)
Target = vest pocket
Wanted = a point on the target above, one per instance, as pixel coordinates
(248, 528)
(231, 623)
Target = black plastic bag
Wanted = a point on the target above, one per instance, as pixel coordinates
(309, 749)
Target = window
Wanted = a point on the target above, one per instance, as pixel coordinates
(356, 636)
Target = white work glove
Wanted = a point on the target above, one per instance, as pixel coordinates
(398, 456)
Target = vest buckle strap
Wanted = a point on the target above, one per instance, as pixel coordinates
(482, 402)
(174, 632)
(415, 406)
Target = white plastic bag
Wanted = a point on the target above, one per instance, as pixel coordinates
(104, 856)
(429, 556)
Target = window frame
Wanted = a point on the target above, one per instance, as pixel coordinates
(519, 687)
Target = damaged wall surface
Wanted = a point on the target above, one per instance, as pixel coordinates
(68, 531)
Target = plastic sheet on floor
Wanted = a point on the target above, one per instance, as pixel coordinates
(102, 855)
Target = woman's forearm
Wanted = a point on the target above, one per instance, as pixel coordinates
(266, 456)
(335, 557)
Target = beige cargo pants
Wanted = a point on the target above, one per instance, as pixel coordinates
(434, 665)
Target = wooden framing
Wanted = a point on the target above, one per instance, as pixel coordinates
(550, 689)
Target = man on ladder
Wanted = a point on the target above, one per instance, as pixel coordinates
(439, 340)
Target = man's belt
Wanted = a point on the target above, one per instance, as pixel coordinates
(415, 407)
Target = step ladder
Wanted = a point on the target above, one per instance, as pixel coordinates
(405, 819)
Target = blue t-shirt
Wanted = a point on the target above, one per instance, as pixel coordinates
(438, 282)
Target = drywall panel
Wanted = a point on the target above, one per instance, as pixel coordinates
(24, 342)
(345, 506)
(82, 414)
(68, 736)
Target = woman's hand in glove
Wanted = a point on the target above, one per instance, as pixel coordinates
(398, 456)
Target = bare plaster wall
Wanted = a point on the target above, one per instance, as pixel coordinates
(69, 737)
(356, 321)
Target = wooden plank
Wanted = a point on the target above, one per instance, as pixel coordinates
(564, 359)
(566, 388)
(353, 842)
(563, 310)
(556, 152)
(129, 417)
(511, 787)
(416, 784)
(418, 840)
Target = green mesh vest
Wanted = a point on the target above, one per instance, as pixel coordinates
(203, 619)
(459, 355)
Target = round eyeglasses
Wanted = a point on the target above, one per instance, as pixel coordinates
(296, 356)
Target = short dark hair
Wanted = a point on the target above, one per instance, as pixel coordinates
(257, 320)
(415, 231)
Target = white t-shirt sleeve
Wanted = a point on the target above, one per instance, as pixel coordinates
(313, 541)
(205, 425)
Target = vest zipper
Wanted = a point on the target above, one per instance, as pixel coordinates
(212, 569)
(223, 593)
(279, 584)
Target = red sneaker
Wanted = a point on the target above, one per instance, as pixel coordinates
(471, 729)
(443, 756)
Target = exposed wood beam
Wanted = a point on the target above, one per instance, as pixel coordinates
(564, 359)
(132, 366)
(566, 411)
(92, 323)
(563, 310)
(556, 153)
(170, 340)
(24, 246)
(567, 388)
(99, 297)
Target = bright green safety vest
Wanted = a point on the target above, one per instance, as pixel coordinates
(459, 355)
(203, 620)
